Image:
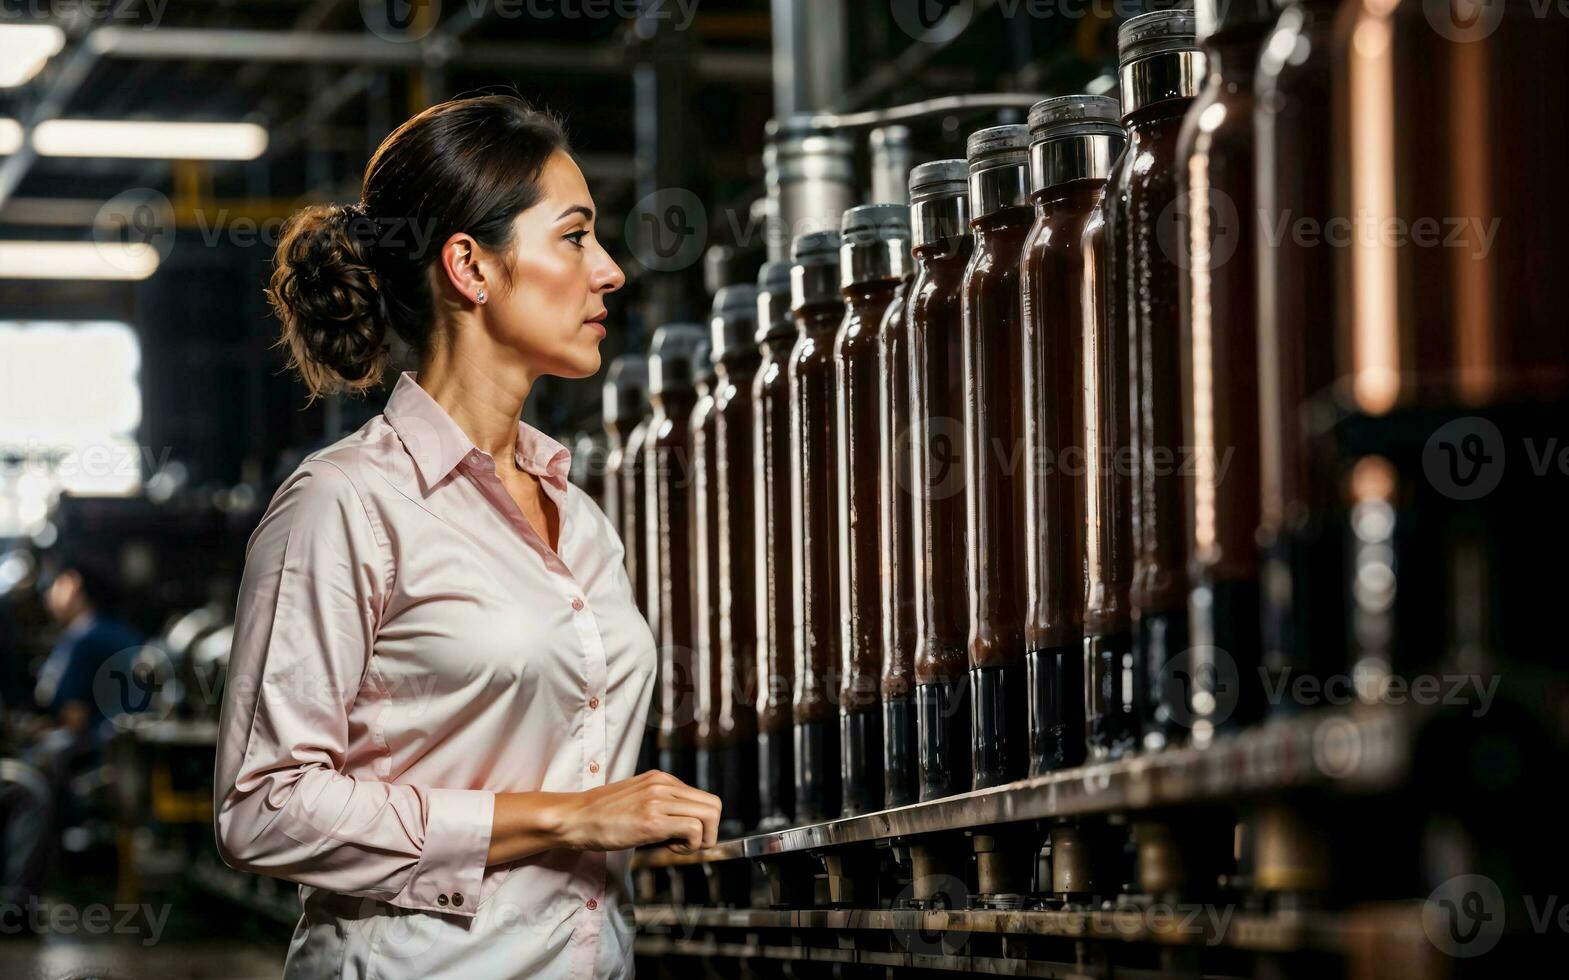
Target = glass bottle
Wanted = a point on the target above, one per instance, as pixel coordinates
(873, 255)
(941, 243)
(1074, 140)
(818, 307)
(1220, 372)
(1160, 68)
(772, 542)
(736, 358)
(668, 460)
(1000, 216)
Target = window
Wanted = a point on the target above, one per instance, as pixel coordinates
(70, 405)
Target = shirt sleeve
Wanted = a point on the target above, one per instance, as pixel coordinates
(309, 606)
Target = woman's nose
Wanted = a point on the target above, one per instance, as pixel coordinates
(609, 277)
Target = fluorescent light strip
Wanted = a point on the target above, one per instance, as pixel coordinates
(77, 260)
(149, 140)
(25, 49)
(10, 136)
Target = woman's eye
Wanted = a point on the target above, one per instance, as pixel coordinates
(577, 237)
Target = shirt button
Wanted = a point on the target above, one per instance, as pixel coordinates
(441, 900)
(577, 604)
(593, 702)
(593, 767)
(592, 905)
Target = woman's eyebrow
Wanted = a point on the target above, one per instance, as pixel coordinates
(586, 212)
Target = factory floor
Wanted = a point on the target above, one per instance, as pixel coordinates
(170, 931)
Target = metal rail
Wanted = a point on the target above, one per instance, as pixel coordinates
(1354, 751)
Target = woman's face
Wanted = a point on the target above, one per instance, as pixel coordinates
(553, 312)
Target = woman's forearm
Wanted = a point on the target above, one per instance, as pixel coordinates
(524, 824)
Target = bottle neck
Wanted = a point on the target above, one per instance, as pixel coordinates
(1083, 157)
(935, 218)
(1160, 78)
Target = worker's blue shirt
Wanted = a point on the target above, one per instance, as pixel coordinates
(71, 673)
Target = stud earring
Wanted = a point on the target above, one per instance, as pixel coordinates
(480, 297)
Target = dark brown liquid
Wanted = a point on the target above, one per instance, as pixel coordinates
(815, 477)
(774, 536)
(994, 438)
(1449, 141)
(669, 461)
(631, 490)
(705, 556)
(1108, 544)
(896, 502)
(1220, 312)
(1297, 283)
(1153, 296)
(937, 397)
(860, 588)
(1451, 149)
(1052, 276)
(615, 461)
(738, 582)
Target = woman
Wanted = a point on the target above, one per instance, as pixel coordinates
(439, 677)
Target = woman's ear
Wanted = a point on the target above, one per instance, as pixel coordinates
(460, 260)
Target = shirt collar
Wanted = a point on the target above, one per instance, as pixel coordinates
(437, 444)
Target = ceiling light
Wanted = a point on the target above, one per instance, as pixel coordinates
(149, 140)
(77, 260)
(10, 136)
(24, 49)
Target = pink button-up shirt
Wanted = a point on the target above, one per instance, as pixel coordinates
(406, 646)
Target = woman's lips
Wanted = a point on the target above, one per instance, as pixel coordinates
(596, 326)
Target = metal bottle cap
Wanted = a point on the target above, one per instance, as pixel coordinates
(733, 322)
(773, 301)
(999, 164)
(814, 269)
(939, 201)
(626, 388)
(874, 243)
(671, 356)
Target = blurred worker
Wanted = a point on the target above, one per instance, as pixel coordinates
(65, 735)
(439, 674)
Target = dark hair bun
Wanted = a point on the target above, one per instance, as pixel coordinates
(326, 292)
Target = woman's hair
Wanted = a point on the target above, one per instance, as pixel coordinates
(344, 274)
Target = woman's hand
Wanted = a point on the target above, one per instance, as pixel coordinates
(649, 808)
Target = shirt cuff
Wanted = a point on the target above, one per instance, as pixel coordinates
(451, 868)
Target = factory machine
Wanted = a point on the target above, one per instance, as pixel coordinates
(1095, 555)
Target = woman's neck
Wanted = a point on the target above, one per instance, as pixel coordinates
(485, 398)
